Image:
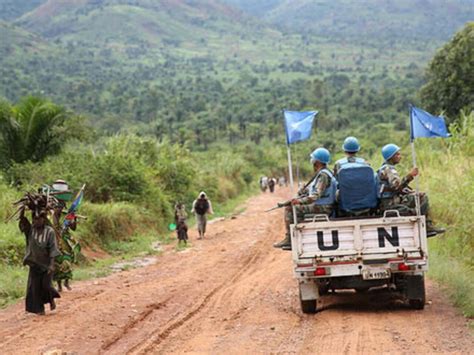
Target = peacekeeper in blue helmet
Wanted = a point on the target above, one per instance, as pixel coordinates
(395, 193)
(320, 197)
(351, 147)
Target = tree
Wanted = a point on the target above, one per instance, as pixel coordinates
(450, 76)
(31, 130)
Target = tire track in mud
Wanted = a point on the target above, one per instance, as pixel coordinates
(132, 324)
(159, 336)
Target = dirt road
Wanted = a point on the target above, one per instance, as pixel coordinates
(229, 293)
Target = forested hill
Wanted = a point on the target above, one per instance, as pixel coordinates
(365, 20)
(200, 71)
(139, 22)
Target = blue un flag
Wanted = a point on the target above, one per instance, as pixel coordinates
(298, 125)
(424, 124)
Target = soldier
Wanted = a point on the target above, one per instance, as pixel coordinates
(320, 197)
(395, 193)
(351, 147)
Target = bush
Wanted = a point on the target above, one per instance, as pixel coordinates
(115, 222)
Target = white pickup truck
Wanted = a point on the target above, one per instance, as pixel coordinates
(359, 254)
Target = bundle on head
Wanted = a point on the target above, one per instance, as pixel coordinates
(38, 203)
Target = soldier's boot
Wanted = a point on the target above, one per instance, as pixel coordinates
(60, 286)
(285, 243)
(432, 230)
(66, 284)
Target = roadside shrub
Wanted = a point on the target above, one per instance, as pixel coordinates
(114, 222)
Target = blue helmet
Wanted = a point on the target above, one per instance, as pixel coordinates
(351, 145)
(389, 150)
(322, 155)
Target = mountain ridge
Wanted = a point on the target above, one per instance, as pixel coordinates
(364, 19)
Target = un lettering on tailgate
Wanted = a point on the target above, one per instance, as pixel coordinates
(367, 237)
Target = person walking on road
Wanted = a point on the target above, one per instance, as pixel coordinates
(180, 217)
(41, 251)
(271, 184)
(201, 207)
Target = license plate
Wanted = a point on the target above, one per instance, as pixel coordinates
(375, 274)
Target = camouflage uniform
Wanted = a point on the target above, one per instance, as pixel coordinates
(308, 206)
(403, 199)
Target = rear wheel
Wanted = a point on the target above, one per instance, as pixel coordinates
(417, 304)
(309, 306)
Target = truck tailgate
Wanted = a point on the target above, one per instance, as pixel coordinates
(361, 238)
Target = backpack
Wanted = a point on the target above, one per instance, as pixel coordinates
(201, 206)
(357, 187)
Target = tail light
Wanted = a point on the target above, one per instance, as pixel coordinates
(403, 267)
(320, 271)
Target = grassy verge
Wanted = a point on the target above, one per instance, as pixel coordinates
(448, 176)
(454, 276)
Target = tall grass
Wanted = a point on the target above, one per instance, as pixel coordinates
(447, 174)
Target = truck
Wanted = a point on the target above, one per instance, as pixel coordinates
(332, 254)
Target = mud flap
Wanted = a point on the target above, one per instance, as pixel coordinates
(308, 291)
(415, 289)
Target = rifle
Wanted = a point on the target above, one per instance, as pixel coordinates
(280, 205)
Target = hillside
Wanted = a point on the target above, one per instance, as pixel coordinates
(178, 69)
(12, 9)
(195, 26)
(21, 54)
(366, 20)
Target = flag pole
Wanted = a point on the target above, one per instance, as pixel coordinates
(413, 156)
(417, 183)
(297, 170)
(292, 189)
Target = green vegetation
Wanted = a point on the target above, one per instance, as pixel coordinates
(401, 21)
(11, 9)
(448, 176)
(194, 72)
(32, 130)
(450, 86)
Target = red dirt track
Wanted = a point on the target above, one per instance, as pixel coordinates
(230, 293)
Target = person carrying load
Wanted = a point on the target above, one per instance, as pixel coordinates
(394, 192)
(201, 207)
(320, 198)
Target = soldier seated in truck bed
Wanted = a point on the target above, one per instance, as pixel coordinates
(320, 199)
